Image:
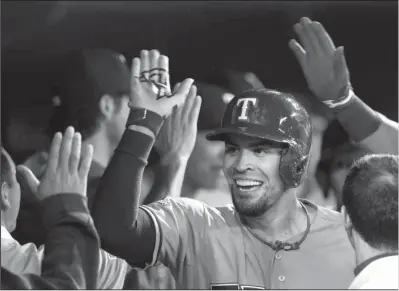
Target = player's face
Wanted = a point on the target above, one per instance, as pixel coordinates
(251, 166)
(12, 191)
(204, 168)
(117, 122)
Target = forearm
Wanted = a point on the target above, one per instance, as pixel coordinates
(116, 209)
(368, 128)
(72, 245)
(169, 179)
(71, 252)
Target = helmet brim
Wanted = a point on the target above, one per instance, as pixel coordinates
(221, 134)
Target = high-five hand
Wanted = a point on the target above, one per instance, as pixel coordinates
(150, 84)
(323, 64)
(177, 137)
(67, 168)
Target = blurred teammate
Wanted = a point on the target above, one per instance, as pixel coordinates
(370, 197)
(337, 162)
(72, 243)
(93, 93)
(204, 179)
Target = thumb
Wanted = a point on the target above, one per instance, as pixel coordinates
(29, 178)
(341, 68)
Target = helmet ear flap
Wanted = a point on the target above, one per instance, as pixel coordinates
(292, 167)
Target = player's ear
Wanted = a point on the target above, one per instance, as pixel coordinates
(107, 106)
(346, 217)
(5, 202)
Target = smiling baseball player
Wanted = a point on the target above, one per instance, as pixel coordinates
(268, 239)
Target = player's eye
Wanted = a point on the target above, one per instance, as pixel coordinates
(261, 150)
(229, 149)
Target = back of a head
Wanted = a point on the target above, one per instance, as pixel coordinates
(87, 76)
(370, 195)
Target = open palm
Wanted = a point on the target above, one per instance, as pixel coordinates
(150, 84)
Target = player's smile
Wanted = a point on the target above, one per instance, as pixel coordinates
(248, 185)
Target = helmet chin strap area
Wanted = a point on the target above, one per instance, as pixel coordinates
(292, 167)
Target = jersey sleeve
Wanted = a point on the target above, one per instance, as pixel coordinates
(111, 271)
(179, 225)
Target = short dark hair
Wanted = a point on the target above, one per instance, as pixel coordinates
(6, 166)
(370, 195)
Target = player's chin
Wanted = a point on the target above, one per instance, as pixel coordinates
(250, 207)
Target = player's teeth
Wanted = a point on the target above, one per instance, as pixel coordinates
(247, 183)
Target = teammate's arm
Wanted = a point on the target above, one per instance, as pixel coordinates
(174, 144)
(125, 230)
(327, 75)
(168, 180)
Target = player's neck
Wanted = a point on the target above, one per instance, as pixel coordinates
(284, 220)
(364, 251)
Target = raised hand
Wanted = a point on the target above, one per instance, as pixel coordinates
(67, 168)
(323, 65)
(177, 137)
(150, 84)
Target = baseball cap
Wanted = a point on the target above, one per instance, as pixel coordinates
(214, 103)
(86, 76)
(91, 73)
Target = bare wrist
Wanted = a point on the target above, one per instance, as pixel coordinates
(173, 159)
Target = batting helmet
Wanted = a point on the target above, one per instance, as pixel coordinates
(275, 116)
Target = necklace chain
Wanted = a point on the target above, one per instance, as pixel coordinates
(281, 245)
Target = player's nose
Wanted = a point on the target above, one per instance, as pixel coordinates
(242, 161)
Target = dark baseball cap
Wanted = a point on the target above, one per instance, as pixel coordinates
(91, 73)
(214, 103)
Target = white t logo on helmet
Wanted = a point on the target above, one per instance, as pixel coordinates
(245, 102)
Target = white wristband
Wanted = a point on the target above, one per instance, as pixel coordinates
(340, 102)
